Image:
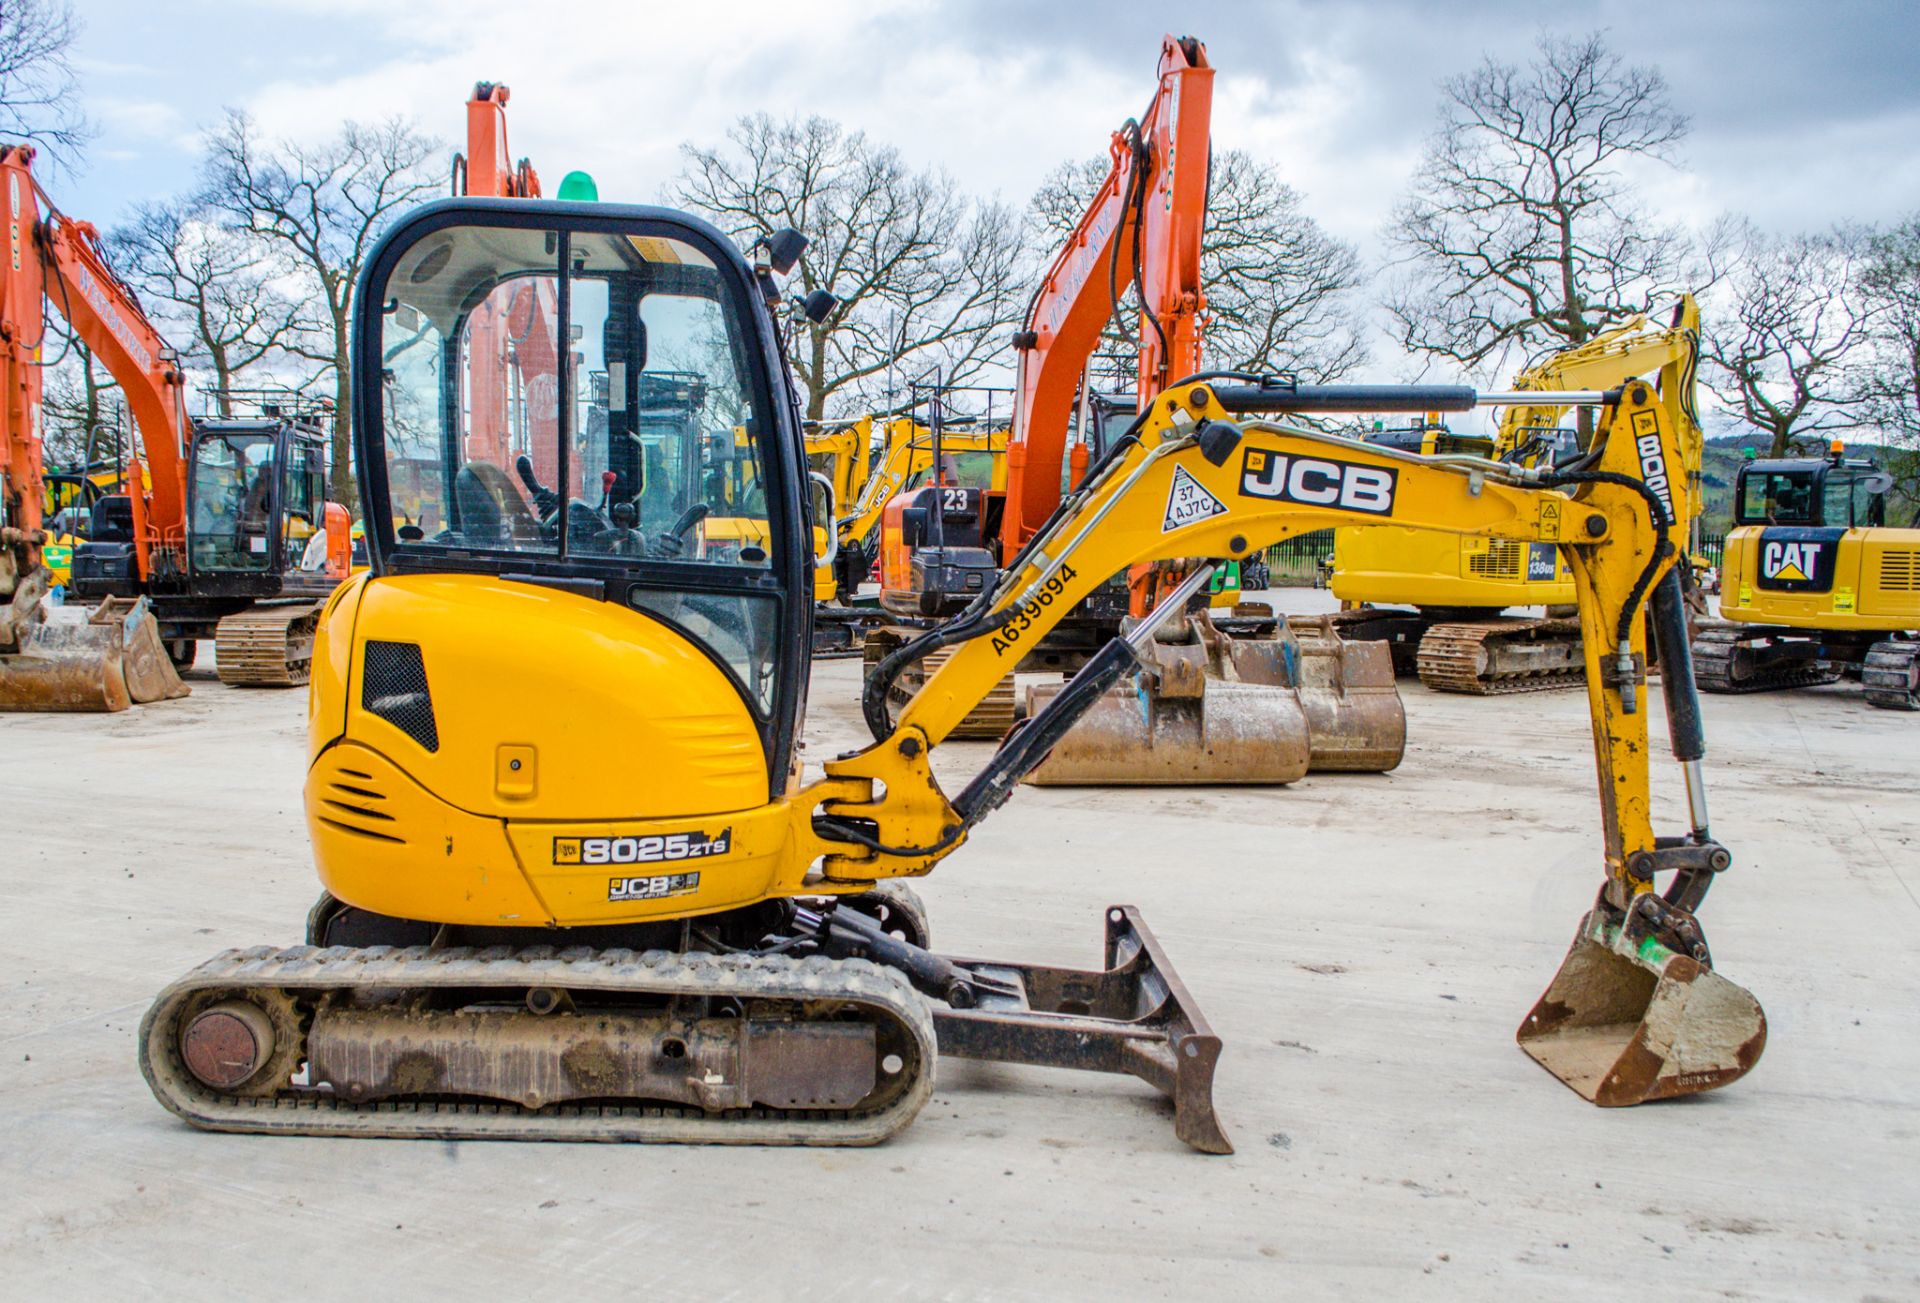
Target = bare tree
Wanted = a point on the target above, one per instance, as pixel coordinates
(39, 96)
(1791, 314)
(927, 276)
(222, 288)
(1888, 383)
(80, 403)
(1280, 290)
(323, 205)
(1521, 228)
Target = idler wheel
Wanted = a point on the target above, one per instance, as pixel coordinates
(225, 1045)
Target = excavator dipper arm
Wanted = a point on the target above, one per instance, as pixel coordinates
(1616, 1025)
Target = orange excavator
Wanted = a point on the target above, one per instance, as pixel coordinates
(214, 534)
(1242, 698)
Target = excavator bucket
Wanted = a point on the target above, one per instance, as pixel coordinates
(1220, 709)
(1355, 721)
(1627, 1020)
(73, 660)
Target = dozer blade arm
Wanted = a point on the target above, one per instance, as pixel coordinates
(1192, 483)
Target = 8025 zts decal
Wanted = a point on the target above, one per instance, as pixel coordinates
(694, 845)
(1319, 482)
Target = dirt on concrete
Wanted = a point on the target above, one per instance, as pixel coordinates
(1365, 944)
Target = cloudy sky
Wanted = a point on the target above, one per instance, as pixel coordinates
(1803, 113)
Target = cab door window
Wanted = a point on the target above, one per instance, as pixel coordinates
(233, 488)
(301, 504)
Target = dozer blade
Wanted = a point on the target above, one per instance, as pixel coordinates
(1134, 1016)
(1231, 733)
(105, 660)
(1628, 1020)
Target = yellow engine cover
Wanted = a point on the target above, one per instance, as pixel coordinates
(1423, 567)
(583, 763)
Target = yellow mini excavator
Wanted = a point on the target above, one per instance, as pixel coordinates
(576, 885)
(1439, 600)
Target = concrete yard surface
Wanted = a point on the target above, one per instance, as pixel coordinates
(1365, 945)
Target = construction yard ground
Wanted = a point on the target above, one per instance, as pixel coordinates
(1365, 945)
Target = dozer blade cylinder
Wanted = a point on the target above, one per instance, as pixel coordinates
(1626, 1021)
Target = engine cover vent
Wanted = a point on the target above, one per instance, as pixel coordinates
(393, 685)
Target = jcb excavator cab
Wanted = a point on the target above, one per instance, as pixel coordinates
(582, 401)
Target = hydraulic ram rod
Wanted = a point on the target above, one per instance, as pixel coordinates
(1399, 398)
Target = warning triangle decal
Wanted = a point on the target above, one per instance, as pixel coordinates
(1790, 571)
(1189, 502)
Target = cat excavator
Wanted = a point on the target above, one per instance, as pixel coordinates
(211, 534)
(1437, 600)
(576, 882)
(1815, 584)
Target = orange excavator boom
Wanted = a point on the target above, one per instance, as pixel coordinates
(1142, 228)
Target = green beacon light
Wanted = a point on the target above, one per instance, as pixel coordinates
(578, 186)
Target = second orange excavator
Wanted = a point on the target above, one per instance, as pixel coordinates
(217, 533)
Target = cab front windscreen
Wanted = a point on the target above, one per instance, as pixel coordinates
(569, 394)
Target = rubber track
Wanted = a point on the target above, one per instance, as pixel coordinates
(1713, 651)
(1887, 675)
(267, 646)
(1449, 657)
(307, 971)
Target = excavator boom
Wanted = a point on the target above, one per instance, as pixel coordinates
(111, 657)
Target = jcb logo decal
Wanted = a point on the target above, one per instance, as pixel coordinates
(1798, 562)
(1319, 482)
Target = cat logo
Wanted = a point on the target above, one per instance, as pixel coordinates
(1794, 562)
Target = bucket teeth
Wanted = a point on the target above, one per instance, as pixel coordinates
(1627, 1020)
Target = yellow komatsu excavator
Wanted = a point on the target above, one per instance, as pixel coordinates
(1438, 599)
(576, 883)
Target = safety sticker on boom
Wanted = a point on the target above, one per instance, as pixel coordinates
(1189, 502)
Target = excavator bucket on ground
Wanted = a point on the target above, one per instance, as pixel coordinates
(1628, 1019)
(1212, 708)
(67, 659)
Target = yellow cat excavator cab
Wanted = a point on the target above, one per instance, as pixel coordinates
(1814, 584)
(576, 883)
(1439, 600)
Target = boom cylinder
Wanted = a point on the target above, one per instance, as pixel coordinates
(1685, 729)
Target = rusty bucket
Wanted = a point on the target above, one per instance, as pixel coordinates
(1213, 708)
(72, 660)
(1229, 733)
(1355, 721)
(1627, 1020)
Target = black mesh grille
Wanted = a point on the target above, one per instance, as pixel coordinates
(393, 685)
